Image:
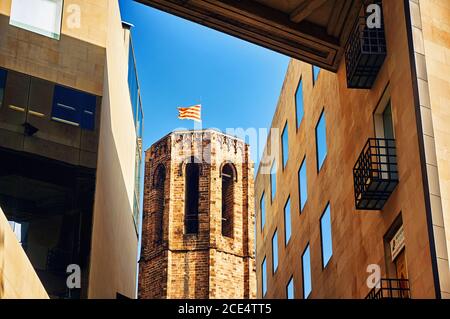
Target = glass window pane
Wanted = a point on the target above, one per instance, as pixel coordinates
(287, 221)
(74, 107)
(290, 289)
(302, 183)
(264, 277)
(132, 81)
(327, 243)
(299, 103)
(321, 141)
(263, 211)
(306, 266)
(273, 180)
(285, 145)
(39, 16)
(275, 252)
(15, 101)
(316, 71)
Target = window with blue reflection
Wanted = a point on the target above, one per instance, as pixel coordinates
(139, 121)
(287, 221)
(74, 107)
(133, 82)
(264, 277)
(275, 252)
(2, 85)
(316, 71)
(290, 289)
(273, 181)
(285, 145)
(321, 141)
(325, 231)
(302, 185)
(262, 206)
(299, 103)
(306, 270)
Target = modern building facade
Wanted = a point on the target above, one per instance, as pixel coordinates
(198, 222)
(70, 150)
(353, 189)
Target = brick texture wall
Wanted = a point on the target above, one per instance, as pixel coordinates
(206, 264)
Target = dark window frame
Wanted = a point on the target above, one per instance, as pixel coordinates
(324, 266)
(303, 271)
(314, 77)
(283, 146)
(291, 280)
(191, 220)
(318, 165)
(262, 210)
(287, 203)
(273, 179)
(275, 269)
(264, 283)
(303, 164)
(228, 177)
(299, 88)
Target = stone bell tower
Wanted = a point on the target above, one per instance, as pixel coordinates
(198, 224)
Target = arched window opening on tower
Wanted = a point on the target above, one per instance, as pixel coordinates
(228, 177)
(191, 197)
(159, 185)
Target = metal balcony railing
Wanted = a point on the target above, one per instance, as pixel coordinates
(375, 174)
(365, 52)
(391, 289)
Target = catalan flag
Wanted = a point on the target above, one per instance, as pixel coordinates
(190, 113)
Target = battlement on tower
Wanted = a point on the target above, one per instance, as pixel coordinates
(198, 225)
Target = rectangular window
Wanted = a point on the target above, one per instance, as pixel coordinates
(2, 85)
(135, 96)
(287, 221)
(273, 180)
(275, 252)
(321, 141)
(306, 268)
(191, 197)
(264, 277)
(39, 16)
(133, 81)
(74, 107)
(316, 71)
(285, 145)
(302, 185)
(263, 211)
(290, 289)
(299, 103)
(325, 232)
(17, 229)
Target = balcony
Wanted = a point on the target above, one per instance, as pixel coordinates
(365, 52)
(375, 174)
(391, 289)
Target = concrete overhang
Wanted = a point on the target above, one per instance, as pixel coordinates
(313, 31)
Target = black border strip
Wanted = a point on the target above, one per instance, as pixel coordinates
(426, 190)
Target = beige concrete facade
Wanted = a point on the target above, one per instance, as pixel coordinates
(17, 276)
(92, 58)
(431, 39)
(115, 239)
(358, 235)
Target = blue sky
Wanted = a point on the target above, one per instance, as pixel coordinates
(181, 63)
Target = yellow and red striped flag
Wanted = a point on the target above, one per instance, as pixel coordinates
(190, 113)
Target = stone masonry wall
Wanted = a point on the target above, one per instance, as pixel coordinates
(206, 264)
